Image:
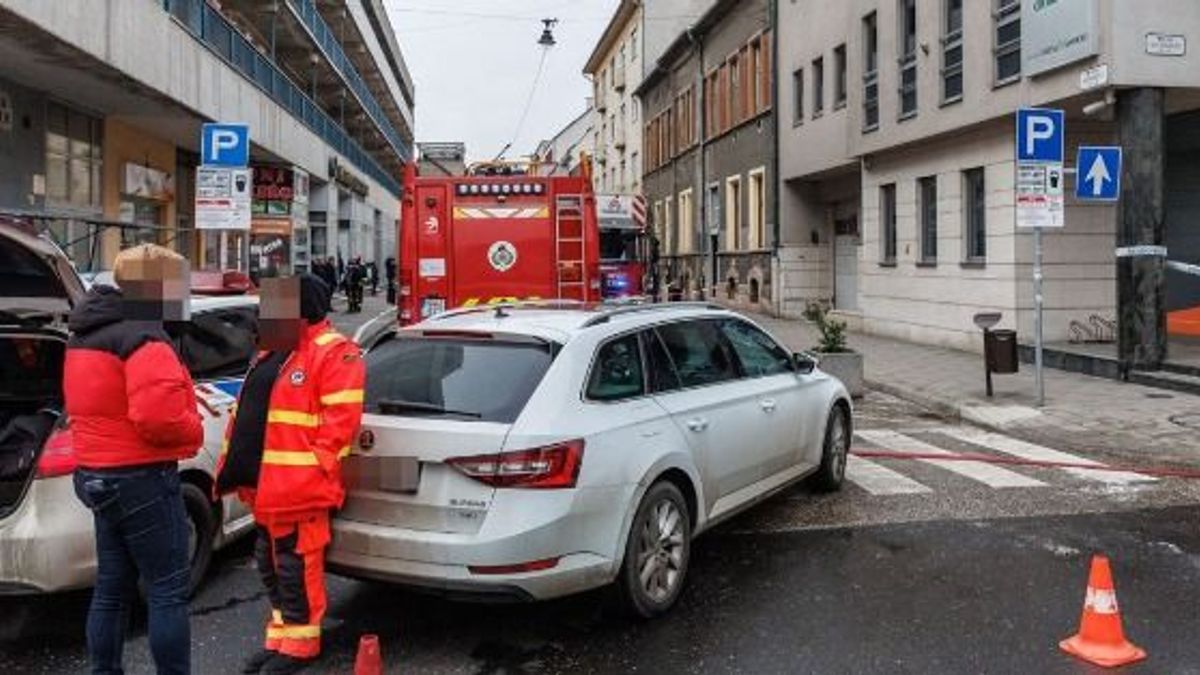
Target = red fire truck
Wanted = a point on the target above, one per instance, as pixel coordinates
(496, 234)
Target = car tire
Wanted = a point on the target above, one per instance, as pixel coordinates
(834, 451)
(662, 556)
(202, 525)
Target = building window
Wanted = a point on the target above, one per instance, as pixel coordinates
(975, 216)
(763, 76)
(908, 58)
(870, 73)
(952, 51)
(658, 214)
(1007, 18)
(818, 75)
(633, 44)
(733, 213)
(929, 230)
(667, 223)
(887, 223)
(758, 213)
(798, 95)
(839, 77)
(686, 222)
(734, 66)
(74, 157)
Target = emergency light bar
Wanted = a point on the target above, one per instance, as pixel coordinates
(465, 189)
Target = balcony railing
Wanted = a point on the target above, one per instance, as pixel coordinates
(208, 26)
(307, 11)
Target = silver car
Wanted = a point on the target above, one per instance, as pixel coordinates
(46, 538)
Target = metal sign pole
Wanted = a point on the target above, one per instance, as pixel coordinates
(1037, 315)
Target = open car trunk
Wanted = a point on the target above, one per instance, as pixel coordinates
(31, 364)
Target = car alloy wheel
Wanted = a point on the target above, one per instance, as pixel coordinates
(660, 551)
(835, 451)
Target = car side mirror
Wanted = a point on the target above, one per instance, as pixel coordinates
(804, 363)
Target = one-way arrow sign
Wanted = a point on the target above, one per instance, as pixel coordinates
(1098, 173)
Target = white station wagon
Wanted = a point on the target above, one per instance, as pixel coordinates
(536, 451)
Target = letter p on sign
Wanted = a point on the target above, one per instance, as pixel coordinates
(225, 145)
(1040, 135)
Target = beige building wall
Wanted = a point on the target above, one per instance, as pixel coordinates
(616, 71)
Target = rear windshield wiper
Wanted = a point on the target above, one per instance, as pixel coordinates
(395, 407)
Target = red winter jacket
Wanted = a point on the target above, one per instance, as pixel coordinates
(129, 398)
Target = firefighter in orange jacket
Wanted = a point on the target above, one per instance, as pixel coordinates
(297, 413)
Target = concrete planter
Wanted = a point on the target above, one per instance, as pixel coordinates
(845, 366)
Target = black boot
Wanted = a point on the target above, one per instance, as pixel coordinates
(259, 659)
(282, 664)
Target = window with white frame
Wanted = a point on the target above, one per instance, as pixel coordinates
(908, 58)
(870, 73)
(733, 213)
(952, 51)
(758, 213)
(1007, 20)
(668, 225)
(658, 214)
(686, 221)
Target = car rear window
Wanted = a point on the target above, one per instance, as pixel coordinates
(484, 379)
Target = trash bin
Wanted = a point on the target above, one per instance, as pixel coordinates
(1001, 350)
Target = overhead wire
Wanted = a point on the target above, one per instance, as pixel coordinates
(537, 78)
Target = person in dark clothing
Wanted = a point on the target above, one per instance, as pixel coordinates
(355, 276)
(390, 267)
(373, 278)
(133, 418)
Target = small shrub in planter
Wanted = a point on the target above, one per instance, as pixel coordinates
(836, 357)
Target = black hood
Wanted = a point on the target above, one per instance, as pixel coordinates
(314, 298)
(101, 306)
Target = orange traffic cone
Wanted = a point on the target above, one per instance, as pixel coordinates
(368, 661)
(1100, 639)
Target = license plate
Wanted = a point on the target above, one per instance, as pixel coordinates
(400, 474)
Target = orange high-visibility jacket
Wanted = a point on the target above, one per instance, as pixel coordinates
(314, 413)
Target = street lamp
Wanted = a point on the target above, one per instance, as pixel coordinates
(547, 39)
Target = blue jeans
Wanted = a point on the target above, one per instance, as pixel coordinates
(141, 531)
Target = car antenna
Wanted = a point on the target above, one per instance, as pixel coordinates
(500, 312)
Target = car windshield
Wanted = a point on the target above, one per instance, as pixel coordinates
(488, 380)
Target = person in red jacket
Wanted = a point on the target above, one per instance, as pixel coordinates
(133, 416)
(296, 416)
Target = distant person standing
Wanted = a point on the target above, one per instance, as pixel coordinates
(389, 267)
(373, 277)
(355, 277)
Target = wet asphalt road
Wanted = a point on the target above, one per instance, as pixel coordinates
(960, 578)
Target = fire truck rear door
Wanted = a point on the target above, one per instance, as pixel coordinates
(433, 262)
(504, 251)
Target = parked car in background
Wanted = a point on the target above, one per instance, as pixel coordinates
(46, 540)
(536, 451)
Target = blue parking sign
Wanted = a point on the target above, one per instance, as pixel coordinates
(1098, 173)
(1040, 133)
(225, 145)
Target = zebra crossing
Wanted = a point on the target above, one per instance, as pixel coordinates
(920, 449)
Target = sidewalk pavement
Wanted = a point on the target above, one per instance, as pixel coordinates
(1135, 424)
(348, 323)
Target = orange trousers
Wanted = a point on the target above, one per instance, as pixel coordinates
(291, 561)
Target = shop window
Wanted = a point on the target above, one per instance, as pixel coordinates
(74, 158)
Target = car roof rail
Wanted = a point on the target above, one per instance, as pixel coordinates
(605, 315)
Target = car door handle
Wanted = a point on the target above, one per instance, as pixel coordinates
(768, 404)
(651, 434)
(697, 424)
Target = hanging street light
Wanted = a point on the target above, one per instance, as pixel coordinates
(547, 39)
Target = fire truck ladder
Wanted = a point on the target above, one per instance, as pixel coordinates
(572, 282)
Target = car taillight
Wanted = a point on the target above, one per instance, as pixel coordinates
(58, 455)
(548, 468)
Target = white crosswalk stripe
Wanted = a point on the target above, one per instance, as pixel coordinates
(988, 474)
(879, 480)
(1031, 451)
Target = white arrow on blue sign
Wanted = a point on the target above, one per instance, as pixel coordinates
(225, 145)
(1040, 134)
(1098, 173)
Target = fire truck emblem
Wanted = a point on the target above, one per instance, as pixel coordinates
(502, 255)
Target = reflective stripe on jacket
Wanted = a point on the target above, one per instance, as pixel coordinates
(314, 412)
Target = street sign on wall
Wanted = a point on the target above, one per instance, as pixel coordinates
(1040, 195)
(1055, 33)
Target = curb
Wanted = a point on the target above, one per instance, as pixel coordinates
(948, 410)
